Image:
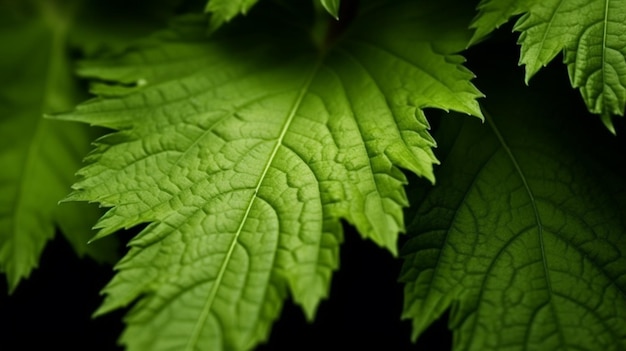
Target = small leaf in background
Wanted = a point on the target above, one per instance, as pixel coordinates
(39, 157)
(523, 237)
(243, 151)
(104, 26)
(223, 11)
(590, 33)
(492, 14)
(332, 6)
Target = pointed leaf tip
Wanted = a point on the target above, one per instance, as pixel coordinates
(332, 7)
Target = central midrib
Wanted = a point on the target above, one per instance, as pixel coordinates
(533, 203)
(604, 39)
(195, 335)
(529, 191)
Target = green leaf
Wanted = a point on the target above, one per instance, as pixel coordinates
(242, 157)
(523, 237)
(589, 32)
(332, 6)
(223, 11)
(494, 13)
(38, 157)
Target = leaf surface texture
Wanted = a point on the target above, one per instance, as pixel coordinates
(523, 237)
(242, 156)
(590, 33)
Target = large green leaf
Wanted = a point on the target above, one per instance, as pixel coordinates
(589, 31)
(523, 237)
(242, 152)
(38, 157)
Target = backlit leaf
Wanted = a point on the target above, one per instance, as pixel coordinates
(589, 32)
(243, 151)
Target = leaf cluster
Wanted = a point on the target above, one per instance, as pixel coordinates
(243, 137)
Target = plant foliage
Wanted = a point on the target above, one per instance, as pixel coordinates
(239, 136)
(273, 150)
(523, 236)
(39, 157)
(589, 32)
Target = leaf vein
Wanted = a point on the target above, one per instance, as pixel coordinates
(195, 335)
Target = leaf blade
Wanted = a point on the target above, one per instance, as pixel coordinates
(243, 162)
(588, 32)
(492, 14)
(519, 239)
(223, 11)
(38, 156)
(332, 6)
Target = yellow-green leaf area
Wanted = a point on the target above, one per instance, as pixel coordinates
(243, 156)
